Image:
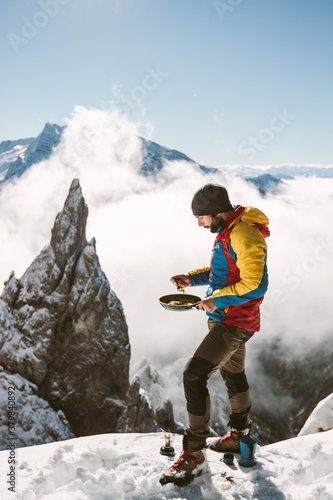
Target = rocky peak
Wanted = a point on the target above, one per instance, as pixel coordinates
(63, 328)
(69, 230)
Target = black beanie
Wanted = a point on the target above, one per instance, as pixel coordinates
(211, 199)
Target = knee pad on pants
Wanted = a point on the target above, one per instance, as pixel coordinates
(195, 384)
(235, 382)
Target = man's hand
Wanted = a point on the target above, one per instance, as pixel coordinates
(181, 280)
(208, 305)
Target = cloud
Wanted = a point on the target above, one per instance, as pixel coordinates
(146, 233)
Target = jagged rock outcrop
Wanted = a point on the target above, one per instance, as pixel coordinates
(166, 419)
(34, 421)
(139, 414)
(64, 329)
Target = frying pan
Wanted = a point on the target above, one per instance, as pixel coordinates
(183, 297)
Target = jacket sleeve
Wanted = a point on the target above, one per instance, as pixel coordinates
(248, 247)
(200, 276)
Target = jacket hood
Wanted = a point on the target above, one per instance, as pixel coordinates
(252, 216)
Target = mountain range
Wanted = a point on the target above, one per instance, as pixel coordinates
(16, 156)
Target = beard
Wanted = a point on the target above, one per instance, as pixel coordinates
(217, 222)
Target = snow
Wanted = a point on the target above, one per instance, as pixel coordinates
(17, 156)
(127, 467)
(321, 419)
(35, 421)
(11, 150)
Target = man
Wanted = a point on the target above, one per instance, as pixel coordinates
(237, 279)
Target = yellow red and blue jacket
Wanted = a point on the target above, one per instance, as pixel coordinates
(237, 276)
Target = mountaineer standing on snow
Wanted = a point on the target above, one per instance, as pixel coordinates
(237, 279)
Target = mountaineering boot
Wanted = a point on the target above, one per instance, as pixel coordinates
(185, 469)
(231, 441)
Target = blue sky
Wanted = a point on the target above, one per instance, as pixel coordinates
(224, 81)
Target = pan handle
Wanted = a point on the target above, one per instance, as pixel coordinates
(195, 307)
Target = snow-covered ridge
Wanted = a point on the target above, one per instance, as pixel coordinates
(321, 419)
(267, 183)
(8, 145)
(155, 156)
(18, 155)
(127, 467)
(41, 147)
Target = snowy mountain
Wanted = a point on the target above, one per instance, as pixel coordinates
(41, 147)
(13, 147)
(17, 156)
(11, 153)
(280, 172)
(266, 183)
(128, 466)
(155, 156)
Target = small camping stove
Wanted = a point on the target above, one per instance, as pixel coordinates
(167, 449)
